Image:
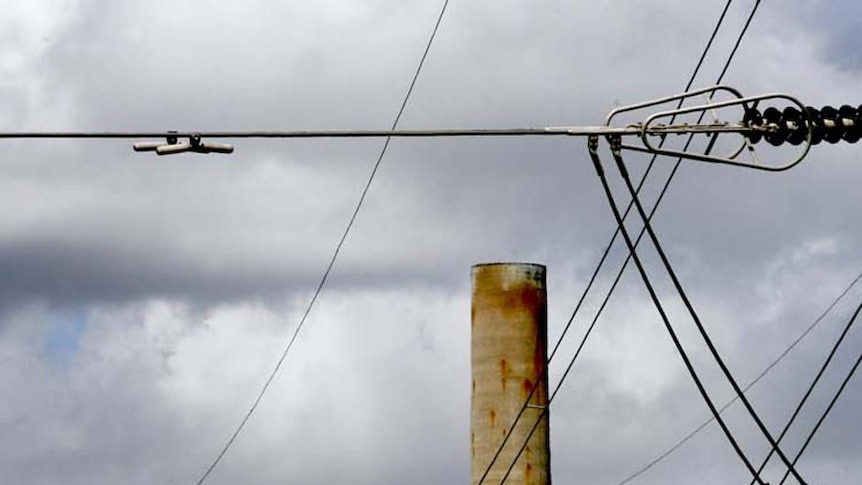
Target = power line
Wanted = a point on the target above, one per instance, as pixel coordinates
(654, 297)
(751, 384)
(812, 386)
(632, 130)
(738, 40)
(335, 254)
(694, 315)
(590, 283)
(722, 74)
(823, 416)
(660, 197)
(640, 185)
(585, 337)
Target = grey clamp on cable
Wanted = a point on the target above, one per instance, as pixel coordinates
(173, 145)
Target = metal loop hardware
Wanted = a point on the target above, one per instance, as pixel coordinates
(750, 130)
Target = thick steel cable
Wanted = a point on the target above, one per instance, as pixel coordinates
(335, 254)
(595, 273)
(751, 384)
(657, 303)
(812, 386)
(823, 416)
(694, 315)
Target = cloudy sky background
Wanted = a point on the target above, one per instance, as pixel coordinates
(144, 299)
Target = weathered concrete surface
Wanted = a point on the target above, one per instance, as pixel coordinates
(509, 355)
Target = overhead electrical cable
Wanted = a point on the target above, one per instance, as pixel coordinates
(641, 182)
(823, 416)
(657, 303)
(694, 315)
(660, 197)
(332, 260)
(751, 384)
(643, 179)
(594, 275)
(812, 386)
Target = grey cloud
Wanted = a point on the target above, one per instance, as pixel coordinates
(838, 23)
(153, 392)
(153, 76)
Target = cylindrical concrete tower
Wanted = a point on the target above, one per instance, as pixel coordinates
(509, 356)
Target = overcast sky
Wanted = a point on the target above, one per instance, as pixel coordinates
(144, 299)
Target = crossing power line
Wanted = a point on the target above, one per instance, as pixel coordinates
(824, 415)
(610, 244)
(691, 434)
(600, 171)
(811, 388)
(695, 317)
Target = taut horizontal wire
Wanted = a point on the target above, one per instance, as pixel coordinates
(633, 130)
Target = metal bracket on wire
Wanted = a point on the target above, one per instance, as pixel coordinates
(173, 145)
(650, 127)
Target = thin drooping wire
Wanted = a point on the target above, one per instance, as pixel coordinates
(751, 384)
(823, 416)
(598, 268)
(657, 303)
(335, 254)
(696, 318)
(813, 385)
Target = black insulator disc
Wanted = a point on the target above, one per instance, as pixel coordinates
(834, 129)
(797, 130)
(817, 129)
(851, 123)
(751, 119)
(773, 117)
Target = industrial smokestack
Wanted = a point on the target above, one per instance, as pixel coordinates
(509, 356)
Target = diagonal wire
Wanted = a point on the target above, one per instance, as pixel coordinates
(812, 386)
(599, 267)
(694, 315)
(660, 197)
(614, 236)
(629, 256)
(657, 303)
(823, 416)
(335, 254)
(751, 384)
(648, 170)
(651, 164)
